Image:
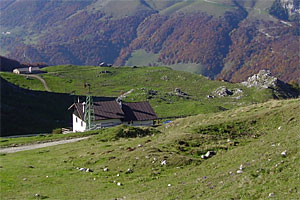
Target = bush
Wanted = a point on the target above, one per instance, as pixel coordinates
(131, 132)
(57, 131)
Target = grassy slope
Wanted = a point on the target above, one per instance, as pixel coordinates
(25, 111)
(68, 79)
(257, 146)
(143, 58)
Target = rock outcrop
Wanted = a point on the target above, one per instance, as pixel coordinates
(261, 80)
(291, 6)
(264, 80)
(224, 92)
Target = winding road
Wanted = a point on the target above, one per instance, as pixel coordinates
(40, 79)
(37, 146)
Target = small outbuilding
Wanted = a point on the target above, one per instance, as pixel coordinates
(27, 70)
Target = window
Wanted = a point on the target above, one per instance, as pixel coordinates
(76, 119)
(81, 123)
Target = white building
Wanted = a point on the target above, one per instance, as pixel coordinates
(112, 113)
(27, 70)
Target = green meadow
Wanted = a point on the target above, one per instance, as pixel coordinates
(142, 80)
(165, 162)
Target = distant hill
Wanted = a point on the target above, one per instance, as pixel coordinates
(226, 39)
(7, 64)
(171, 93)
(25, 112)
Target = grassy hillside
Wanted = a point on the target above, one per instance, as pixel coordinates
(154, 84)
(24, 111)
(254, 137)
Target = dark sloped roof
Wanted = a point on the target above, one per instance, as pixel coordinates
(138, 111)
(108, 110)
(102, 110)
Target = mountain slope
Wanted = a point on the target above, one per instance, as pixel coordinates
(225, 39)
(171, 94)
(26, 112)
(256, 157)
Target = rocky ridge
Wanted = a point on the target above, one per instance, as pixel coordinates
(292, 6)
(263, 80)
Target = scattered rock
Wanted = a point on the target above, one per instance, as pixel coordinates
(119, 184)
(180, 93)
(164, 162)
(37, 195)
(129, 171)
(82, 169)
(88, 170)
(279, 127)
(208, 154)
(271, 194)
(169, 185)
(241, 167)
(24, 179)
(130, 149)
(239, 171)
(284, 153)
(105, 169)
(222, 92)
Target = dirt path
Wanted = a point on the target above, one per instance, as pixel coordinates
(37, 146)
(41, 79)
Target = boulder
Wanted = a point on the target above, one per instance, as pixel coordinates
(164, 162)
(222, 92)
(208, 154)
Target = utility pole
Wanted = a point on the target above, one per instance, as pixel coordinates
(89, 108)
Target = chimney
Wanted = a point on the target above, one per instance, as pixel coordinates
(30, 69)
(119, 101)
(83, 107)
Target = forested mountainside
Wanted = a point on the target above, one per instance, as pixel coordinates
(225, 39)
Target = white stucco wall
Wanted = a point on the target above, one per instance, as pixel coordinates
(78, 126)
(106, 123)
(139, 123)
(16, 71)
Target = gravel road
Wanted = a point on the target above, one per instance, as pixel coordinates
(37, 146)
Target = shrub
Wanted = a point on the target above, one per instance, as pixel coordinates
(131, 132)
